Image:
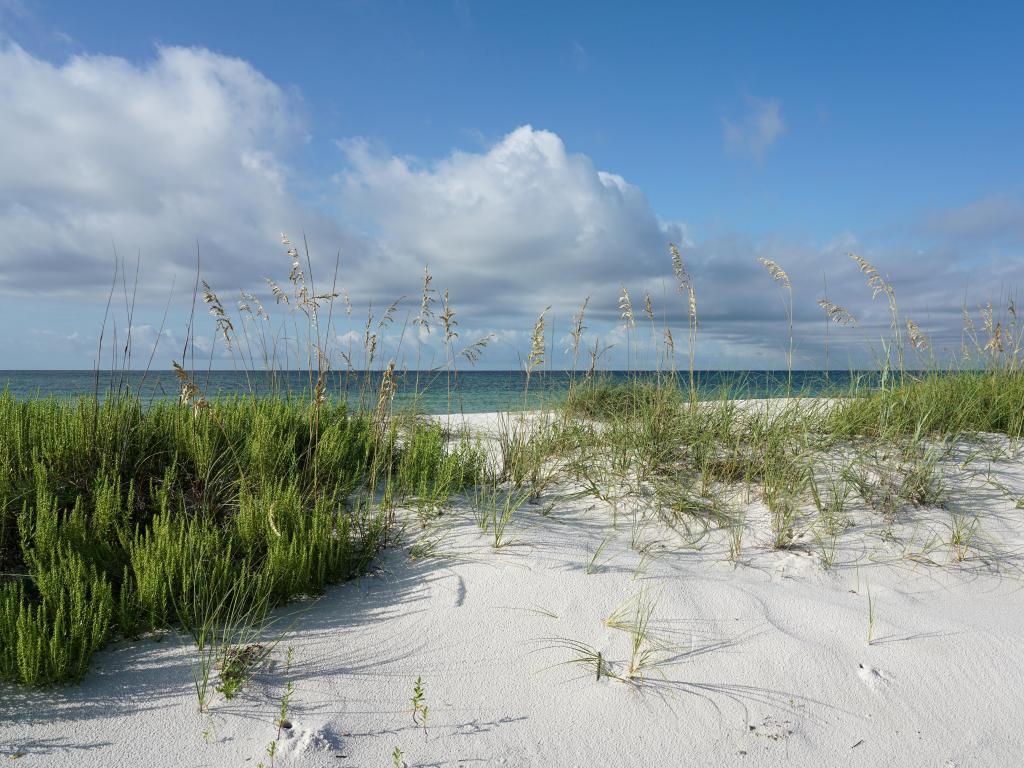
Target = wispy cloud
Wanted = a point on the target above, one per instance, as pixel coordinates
(992, 219)
(580, 57)
(755, 131)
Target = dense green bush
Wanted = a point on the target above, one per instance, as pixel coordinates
(117, 520)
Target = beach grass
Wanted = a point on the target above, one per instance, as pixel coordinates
(120, 518)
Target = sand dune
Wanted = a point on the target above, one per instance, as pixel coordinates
(761, 662)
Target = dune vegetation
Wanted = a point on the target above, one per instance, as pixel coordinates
(125, 519)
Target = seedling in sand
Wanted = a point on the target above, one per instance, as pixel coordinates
(961, 535)
(871, 616)
(396, 758)
(634, 618)
(586, 656)
(594, 566)
(735, 533)
(420, 710)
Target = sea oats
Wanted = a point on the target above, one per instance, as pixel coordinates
(988, 318)
(224, 324)
(536, 356)
(626, 305)
(995, 342)
(387, 390)
(918, 338)
(473, 351)
(448, 321)
(389, 314)
(968, 322)
(190, 394)
(648, 307)
(777, 273)
(369, 338)
(682, 277)
(426, 313)
(577, 325)
(683, 282)
(246, 302)
(279, 295)
(837, 314)
(876, 282)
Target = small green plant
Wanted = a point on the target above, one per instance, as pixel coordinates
(494, 508)
(282, 722)
(962, 530)
(397, 760)
(634, 618)
(236, 668)
(420, 710)
(735, 530)
(831, 502)
(282, 712)
(593, 566)
(827, 546)
(586, 656)
(871, 616)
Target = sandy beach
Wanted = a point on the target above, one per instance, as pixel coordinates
(761, 661)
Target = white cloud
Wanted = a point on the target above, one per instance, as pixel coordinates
(153, 158)
(580, 57)
(515, 228)
(756, 130)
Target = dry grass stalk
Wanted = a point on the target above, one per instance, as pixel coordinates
(224, 324)
(626, 307)
(536, 356)
(879, 284)
(577, 331)
(426, 300)
(777, 273)
(918, 338)
(473, 351)
(448, 321)
(684, 285)
(837, 314)
(387, 392)
(190, 393)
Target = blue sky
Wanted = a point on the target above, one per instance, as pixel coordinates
(795, 132)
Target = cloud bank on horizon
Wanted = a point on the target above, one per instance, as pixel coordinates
(193, 148)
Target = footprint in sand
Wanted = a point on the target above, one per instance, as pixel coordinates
(296, 740)
(873, 677)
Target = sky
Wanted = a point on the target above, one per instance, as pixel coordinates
(531, 154)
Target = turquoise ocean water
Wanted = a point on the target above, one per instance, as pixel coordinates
(469, 392)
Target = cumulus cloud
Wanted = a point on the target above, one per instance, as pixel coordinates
(98, 151)
(520, 226)
(754, 132)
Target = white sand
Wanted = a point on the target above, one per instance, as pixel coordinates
(765, 663)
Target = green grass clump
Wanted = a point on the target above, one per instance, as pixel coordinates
(120, 520)
(938, 402)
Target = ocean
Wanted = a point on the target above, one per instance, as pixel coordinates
(470, 391)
